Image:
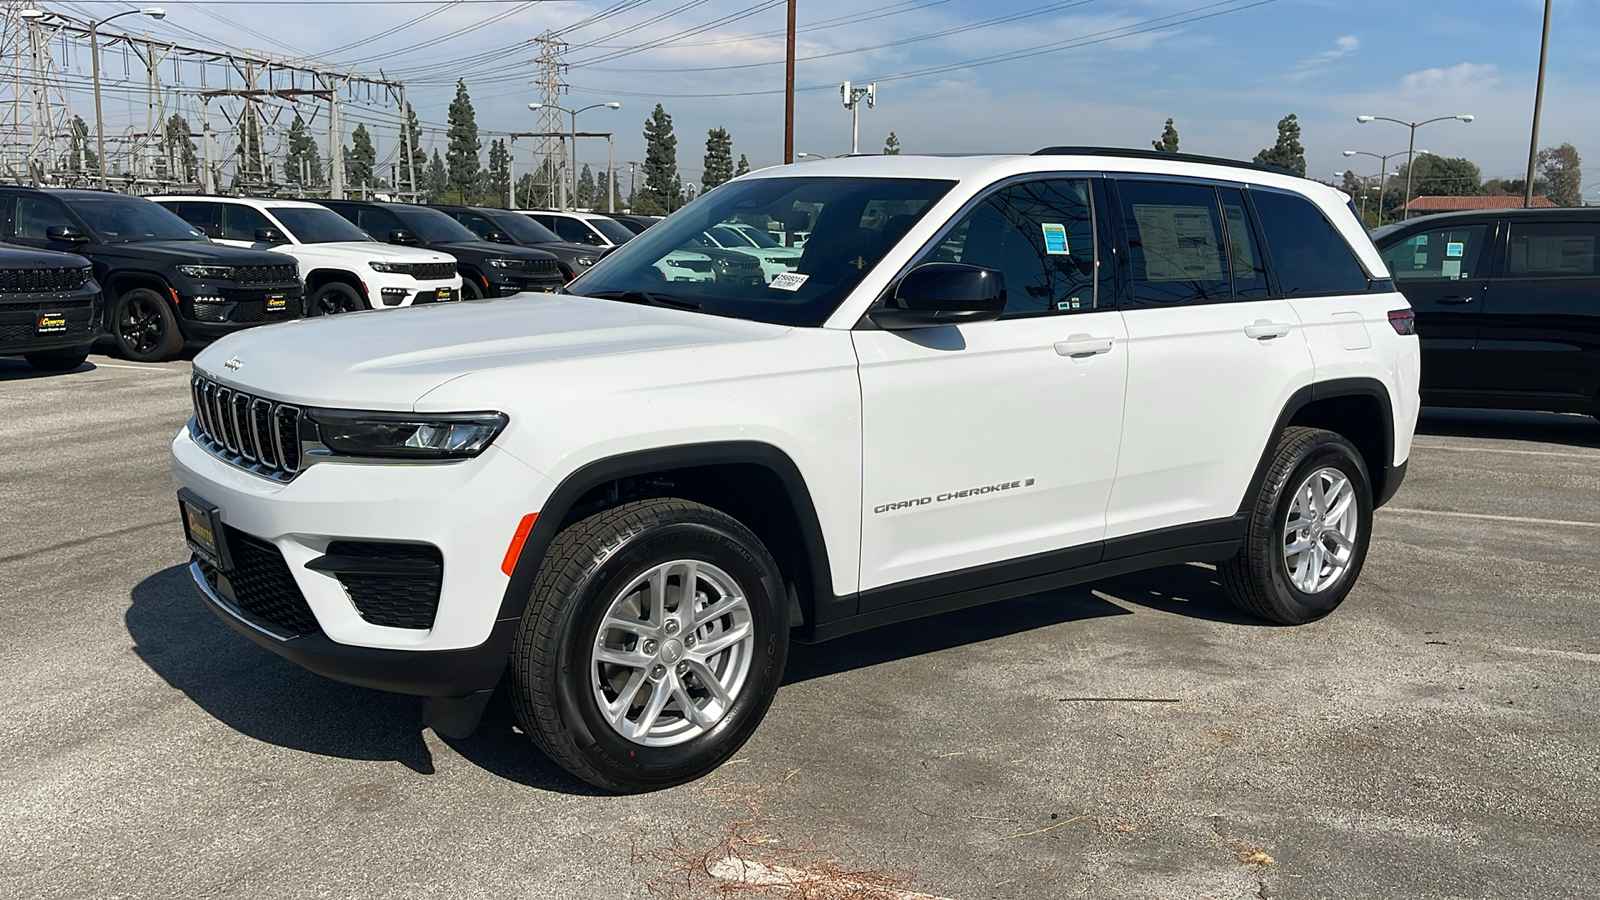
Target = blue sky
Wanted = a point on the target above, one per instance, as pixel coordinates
(1225, 79)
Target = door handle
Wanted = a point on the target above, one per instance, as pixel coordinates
(1081, 345)
(1263, 330)
(1456, 299)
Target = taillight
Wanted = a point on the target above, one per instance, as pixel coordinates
(1404, 321)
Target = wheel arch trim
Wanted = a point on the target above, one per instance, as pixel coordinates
(1386, 476)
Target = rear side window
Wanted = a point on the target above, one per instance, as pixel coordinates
(1244, 250)
(1177, 246)
(201, 215)
(1449, 253)
(1309, 255)
(1552, 249)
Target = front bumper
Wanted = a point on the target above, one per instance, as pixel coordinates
(388, 291)
(76, 319)
(469, 510)
(209, 310)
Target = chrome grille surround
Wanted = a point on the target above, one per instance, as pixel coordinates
(257, 434)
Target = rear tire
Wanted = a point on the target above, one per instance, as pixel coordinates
(145, 327)
(335, 297)
(1308, 531)
(630, 682)
(63, 360)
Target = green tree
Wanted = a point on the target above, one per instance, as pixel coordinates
(1559, 175)
(1287, 152)
(178, 150)
(359, 159)
(251, 164)
(80, 150)
(1168, 142)
(1449, 176)
(586, 189)
(436, 181)
(302, 163)
(718, 162)
(499, 186)
(461, 156)
(891, 145)
(743, 168)
(663, 189)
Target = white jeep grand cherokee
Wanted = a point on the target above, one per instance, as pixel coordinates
(987, 377)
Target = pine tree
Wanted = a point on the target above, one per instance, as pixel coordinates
(302, 163)
(178, 150)
(586, 189)
(251, 165)
(499, 181)
(461, 157)
(1287, 152)
(436, 180)
(80, 150)
(743, 168)
(718, 162)
(891, 145)
(359, 158)
(663, 190)
(1169, 139)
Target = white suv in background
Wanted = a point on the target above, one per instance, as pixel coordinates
(987, 377)
(343, 268)
(589, 228)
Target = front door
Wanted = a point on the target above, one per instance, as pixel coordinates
(1540, 331)
(1444, 273)
(995, 440)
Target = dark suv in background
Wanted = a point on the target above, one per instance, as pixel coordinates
(50, 310)
(164, 280)
(487, 270)
(502, 226)
(1507, 304)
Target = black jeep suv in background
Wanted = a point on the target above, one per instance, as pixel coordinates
(164, 280)
(50, 310)
(487, 270)
(503, 226)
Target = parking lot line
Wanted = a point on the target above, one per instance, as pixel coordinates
(1465, 515)
(1595, 455)
(104, 365)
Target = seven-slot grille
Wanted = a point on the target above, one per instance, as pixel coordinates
(285, 274)
(426, 271)
(43, 281)
(253, 433)
(541, 267)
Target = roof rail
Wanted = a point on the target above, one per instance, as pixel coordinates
(1134, 153)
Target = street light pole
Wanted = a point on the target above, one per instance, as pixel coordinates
(573, 134)
(1411, 153)
(1383, 172)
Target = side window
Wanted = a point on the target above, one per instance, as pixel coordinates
(377, 223)
(201, 215)
(574, 231)
(1040, 236)
(1177, 248)
(1244, 250)
(1552, 249)
(1449, 253)
(480, 226)
(36, 215)
(239, 223)
(1309, 255)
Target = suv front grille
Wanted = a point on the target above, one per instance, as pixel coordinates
(541, 267)
(262, 588)
(44, 281)
(426, 271)
(285, 274)
(253, 433)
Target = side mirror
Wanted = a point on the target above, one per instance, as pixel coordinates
(270, 236)
(401, 236)
(498, 237)
(67, 234)
(943, 293)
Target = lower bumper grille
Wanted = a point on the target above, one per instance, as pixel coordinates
(261, 587)
(394, 585)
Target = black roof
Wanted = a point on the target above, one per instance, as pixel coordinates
(1549, 212)
(1135, 153)
(68, 192)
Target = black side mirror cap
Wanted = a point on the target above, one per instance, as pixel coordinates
(943, 293)
(401, 236)
(270, 236)
(70, 234)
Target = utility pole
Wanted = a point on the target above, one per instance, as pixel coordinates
(852, 97)
(335, 143)
(1538, 105)
(406, 138)
(788, 95)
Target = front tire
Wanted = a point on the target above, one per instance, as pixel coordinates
(1308, 531)
(469, 287)
(629, 680)
(146, 329)
(63, 360)
(335, 297)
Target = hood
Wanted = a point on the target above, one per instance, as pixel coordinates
(388, 359)
(481, 249)
(189, 252)
(373, 251)
(569, 249)
(14, 257)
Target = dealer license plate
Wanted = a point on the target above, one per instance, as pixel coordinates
(202, 528)
(277, 303)
(52, 323)
(444, 295)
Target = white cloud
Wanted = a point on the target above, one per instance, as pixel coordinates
(1449, 84)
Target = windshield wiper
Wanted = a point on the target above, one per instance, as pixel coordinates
(644, 298)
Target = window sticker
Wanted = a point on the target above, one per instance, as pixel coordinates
(1180, 243)
(1451, 268)
(1055, 239)
(1453, 248)
(1419, 260)
(1421, 240)
(788, 281)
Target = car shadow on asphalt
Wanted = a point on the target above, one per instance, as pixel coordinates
(1513, 425)
(19, 369)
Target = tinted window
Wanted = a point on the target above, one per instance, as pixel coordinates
(1176, 244)
(477, 224)
(118, 219)
(524, 229)
(1040, 235)
(317, 226)
(434, 227)
(1453, 252)
(612, 229)
(574, 231)
(201, 215)
(1244, 251)
(36, 215)
(1552, 249)
(376, 222)
(1309, 255)
(240, 223)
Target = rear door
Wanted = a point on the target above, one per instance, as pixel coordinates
(1444, 273)
(1540, 328)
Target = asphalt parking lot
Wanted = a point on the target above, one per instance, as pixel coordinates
(1435, 738)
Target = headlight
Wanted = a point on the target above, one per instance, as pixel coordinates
(407, 435)
(207, 271)
(388, 268)
(586, 261)
(506, 263)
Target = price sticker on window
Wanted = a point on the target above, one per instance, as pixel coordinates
(1055, 239)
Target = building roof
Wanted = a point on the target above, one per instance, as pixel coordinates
(1461, 204)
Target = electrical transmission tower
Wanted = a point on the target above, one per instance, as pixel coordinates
(551, 87)
(33, 107)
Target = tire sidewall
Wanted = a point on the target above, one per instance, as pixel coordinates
(1330, 452)
(348, 297)
(469, 287)
(171, 340)
(652, 545)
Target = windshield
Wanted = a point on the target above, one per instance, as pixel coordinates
(851, 223)
(435, 227)
(317, 226)
(121, 219)
(612, 229)
(524, 229)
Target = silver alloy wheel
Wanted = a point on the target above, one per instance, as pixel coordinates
(672, 653)
(1319, 530)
